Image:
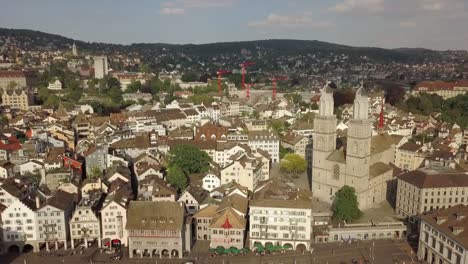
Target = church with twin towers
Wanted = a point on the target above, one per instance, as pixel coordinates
(364, 161)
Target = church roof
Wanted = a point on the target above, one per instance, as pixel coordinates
(338, 156)
(383, 142)
(378, 168)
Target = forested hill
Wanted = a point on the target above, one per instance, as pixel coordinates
(36, 40)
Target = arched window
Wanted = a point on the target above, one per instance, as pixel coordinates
(336, 172)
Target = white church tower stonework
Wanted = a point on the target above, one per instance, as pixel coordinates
(363, 164)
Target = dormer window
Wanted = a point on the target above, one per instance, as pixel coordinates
(457, 230)
(441, 219)
(460, 216)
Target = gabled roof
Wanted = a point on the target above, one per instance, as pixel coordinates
(144, 215)
(229, 219)
(197, 193)
(292, 138)
(236, 202)
(209, 211)
(61, 200)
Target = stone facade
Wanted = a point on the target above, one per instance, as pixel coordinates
(365, 163)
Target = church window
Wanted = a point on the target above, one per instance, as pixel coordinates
(336, 172)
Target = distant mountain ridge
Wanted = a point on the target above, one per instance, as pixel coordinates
(30, 39)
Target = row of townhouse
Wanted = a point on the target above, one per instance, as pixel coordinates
(94, 210)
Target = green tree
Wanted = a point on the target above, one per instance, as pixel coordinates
(346, 205)
(176, 177)
(201, 98)
(293, 98)
(12, 85)
(234, 250)
(278, 126)
(53, 100)
(133, 87)
(293, 163)
(95, 173)
(189, 158)
(3, 121)
(283, 151)
(145, 68)
(425, 105)
(190, 77)
(74, 95)
(220, 250)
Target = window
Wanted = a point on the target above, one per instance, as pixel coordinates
(336, 172)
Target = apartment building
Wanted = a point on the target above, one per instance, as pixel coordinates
(296, 143)
(245, 170)
(114, 220)
(443, 236)
(53, 220)
(443, 89)
(85, 226)
(156, 229)
(17, 99)
(268, 141)
(17, 77)
(101, 67)
(227, 229)
(409, 156)
(280, 215)
(426, 189)
(19, 226)
(224, 224)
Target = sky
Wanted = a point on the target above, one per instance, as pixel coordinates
(435, 24)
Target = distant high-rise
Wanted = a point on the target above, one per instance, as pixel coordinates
(101, 67)
(74, 50)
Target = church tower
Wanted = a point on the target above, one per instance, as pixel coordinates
(359, 146)
(324, 143)
(74, 50)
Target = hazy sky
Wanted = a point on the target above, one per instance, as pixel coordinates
(437, 24)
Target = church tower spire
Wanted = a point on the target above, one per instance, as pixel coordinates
(361, 105)
(326, 103)
(74, 50)
(358, 148)
(324, 144)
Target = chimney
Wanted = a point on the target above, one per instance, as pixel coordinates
(38, 202)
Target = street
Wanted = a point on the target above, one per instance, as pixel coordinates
(382, 251)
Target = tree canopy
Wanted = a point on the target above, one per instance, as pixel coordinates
(190, 77)
(293, 163)
(453, 110)
(189, 158)
(177, 177)
(346, 205)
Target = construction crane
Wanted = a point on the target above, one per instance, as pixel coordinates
(220, 75)
(247, 91)
(244, 65)
(274, 81)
